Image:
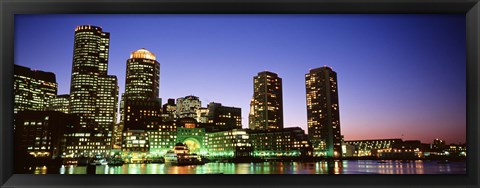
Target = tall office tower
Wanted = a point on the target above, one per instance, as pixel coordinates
(60, 103)
(90, 62)
(141, 105)
(32, 89)
(268, 101)
(93, 92)
(323, 112)
(188, 106)
(107, 102)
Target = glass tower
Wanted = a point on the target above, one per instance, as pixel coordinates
(323, 117)
(268, 101)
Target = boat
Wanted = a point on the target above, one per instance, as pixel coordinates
(180, 156)
(115, 162)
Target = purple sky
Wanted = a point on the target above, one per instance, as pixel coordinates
(397, 74)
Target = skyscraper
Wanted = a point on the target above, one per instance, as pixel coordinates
(32, 89)
(268, 101)
(143, 75)
(141, 105)
(93, 93)
(323, 112)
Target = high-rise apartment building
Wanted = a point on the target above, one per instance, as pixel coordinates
(32, 89)
(268, 101)
(323, 115)
(93, 93)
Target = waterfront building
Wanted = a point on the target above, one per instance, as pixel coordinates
(32, 89)
(188, 132)
(268, 101)
(188, 106)
(366, 148)
(220, 118)
(43, 133)
(117, 136)
(323, 117)
(93, 92)
(280, 143)
(229, 144)
(438, 145)
(60, 103)
(135, 146)
(163, 139)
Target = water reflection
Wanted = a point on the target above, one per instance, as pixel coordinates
(324, 167)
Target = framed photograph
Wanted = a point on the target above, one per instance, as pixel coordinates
(243, 94)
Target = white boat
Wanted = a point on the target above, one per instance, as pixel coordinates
(180, 156)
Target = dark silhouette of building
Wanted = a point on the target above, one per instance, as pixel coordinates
(268, 101)
(280, 143)
(323, 112)
(44, 133)
(221, 118)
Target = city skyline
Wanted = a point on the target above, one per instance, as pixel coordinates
(354, 123)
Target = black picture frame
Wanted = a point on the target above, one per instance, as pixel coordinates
(8, 9)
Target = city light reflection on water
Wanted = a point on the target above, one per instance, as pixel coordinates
(333, 167)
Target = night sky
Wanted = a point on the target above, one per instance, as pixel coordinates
(397, 74)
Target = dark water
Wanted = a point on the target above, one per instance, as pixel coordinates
(338, 167)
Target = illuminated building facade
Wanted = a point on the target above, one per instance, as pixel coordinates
(189, 133)
(188, 106)
(228, 144)
(370, 147)
(169, 111)
(268, 101)
(42, 133)
(143, 75)
(135, 146)
(32, 89)
(93, 92)
(220, 118)
(323, 117)
(60, 103)
(140, 107)
(281, 143)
